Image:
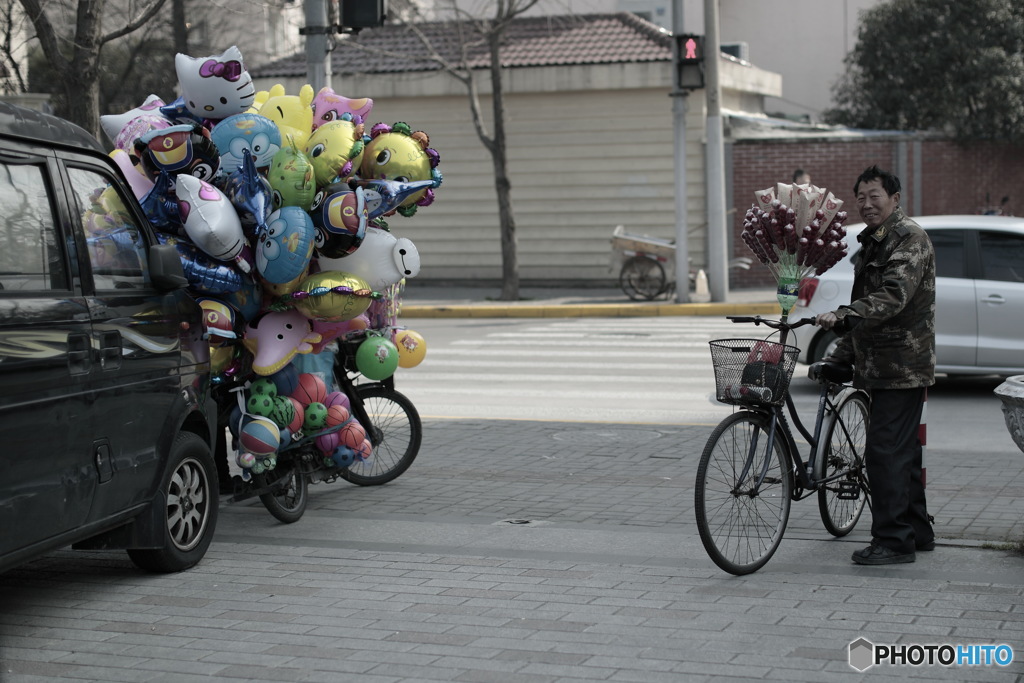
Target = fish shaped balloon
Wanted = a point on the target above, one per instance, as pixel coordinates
(250, 194)
(210, 221)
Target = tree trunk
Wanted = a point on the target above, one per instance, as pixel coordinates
(502, 184)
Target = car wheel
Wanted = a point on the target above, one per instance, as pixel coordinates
(190, 497)
(824, 345)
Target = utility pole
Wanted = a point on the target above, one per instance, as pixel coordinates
(718, 261)
(679, 97)
(318, 34)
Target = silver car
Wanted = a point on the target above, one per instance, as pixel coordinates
(979, 286)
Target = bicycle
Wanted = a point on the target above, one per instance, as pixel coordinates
(389, 418)
(751, 469)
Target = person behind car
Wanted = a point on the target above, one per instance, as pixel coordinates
(890, 339)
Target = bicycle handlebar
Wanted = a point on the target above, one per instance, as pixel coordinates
(774, 324)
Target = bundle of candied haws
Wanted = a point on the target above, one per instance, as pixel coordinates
(796, 230)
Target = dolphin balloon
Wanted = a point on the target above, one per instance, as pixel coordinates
(211, 221)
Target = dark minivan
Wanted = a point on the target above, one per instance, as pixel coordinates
(106, 420)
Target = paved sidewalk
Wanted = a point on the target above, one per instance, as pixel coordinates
(520, 552)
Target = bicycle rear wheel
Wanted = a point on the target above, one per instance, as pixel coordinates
(395, 433)
(741, 521)
(841, 500)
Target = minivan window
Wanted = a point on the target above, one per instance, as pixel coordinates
(30, 255)
(114, 242)
(1002, 256)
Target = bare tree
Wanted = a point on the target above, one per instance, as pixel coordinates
(472, 31)
(13, 49)
(72, 42)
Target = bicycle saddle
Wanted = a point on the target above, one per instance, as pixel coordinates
(830, 370)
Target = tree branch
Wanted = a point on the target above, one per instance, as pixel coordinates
(132, 26)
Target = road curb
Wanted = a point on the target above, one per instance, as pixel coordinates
(584, 310)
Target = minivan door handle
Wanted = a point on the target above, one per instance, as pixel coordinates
(110, 349)
(993, 299)
(79, 352)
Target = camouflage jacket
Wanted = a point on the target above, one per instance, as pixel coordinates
(893, 346)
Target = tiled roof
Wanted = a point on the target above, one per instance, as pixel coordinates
(529, 41)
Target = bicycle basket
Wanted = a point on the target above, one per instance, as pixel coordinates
(752, 372)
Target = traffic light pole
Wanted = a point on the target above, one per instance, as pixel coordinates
(318, 36)
(679, 97)
(718, 260)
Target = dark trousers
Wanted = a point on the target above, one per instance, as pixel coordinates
(899, 514)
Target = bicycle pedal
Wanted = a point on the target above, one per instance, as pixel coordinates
(848, 490)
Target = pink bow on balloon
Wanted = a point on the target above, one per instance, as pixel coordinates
(229, 71)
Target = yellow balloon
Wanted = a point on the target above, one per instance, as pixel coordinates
(411, 348)
(324, 303)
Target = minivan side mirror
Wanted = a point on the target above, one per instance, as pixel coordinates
(165, 268)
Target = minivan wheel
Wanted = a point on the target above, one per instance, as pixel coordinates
(190, 492)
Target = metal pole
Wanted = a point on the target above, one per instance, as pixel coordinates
(679, 125)
(318, 54)
(718, 260)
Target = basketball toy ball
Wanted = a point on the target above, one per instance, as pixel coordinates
(260, 436)
(337, 415)
(377, 358)
(352, 435)
(299, 415)
(337, 398)
(411, 348)
(310, 389)
(260, 404)
(326, 443)
(316, 417)
(283, 412)
(265, 386)
(364, 451)
(245, 460)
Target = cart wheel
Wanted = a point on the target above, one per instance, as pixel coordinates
(642, 278)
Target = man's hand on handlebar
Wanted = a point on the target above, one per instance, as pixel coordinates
(827, 321)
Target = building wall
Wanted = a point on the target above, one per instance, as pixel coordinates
(585, 155)
(950, 179)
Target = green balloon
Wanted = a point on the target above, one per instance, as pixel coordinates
(377, 358)
(291, 178)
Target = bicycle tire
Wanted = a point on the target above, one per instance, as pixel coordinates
(642, 278)
(396, 435)
(740, 531)
(846, 434)
(287, 503)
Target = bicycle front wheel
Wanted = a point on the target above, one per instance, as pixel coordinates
(844, 489)
(743, 493)
(395, 433)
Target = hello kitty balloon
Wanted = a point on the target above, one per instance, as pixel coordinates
(215, 87)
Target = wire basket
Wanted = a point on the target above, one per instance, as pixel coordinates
(752, 372)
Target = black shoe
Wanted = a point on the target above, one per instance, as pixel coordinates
(877, 554)
(930, 545)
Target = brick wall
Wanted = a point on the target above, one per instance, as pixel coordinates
(954, 179)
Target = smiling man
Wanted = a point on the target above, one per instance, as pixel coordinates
(889, 338)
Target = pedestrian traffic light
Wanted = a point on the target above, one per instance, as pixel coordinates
(354, 15)
(689, 61)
